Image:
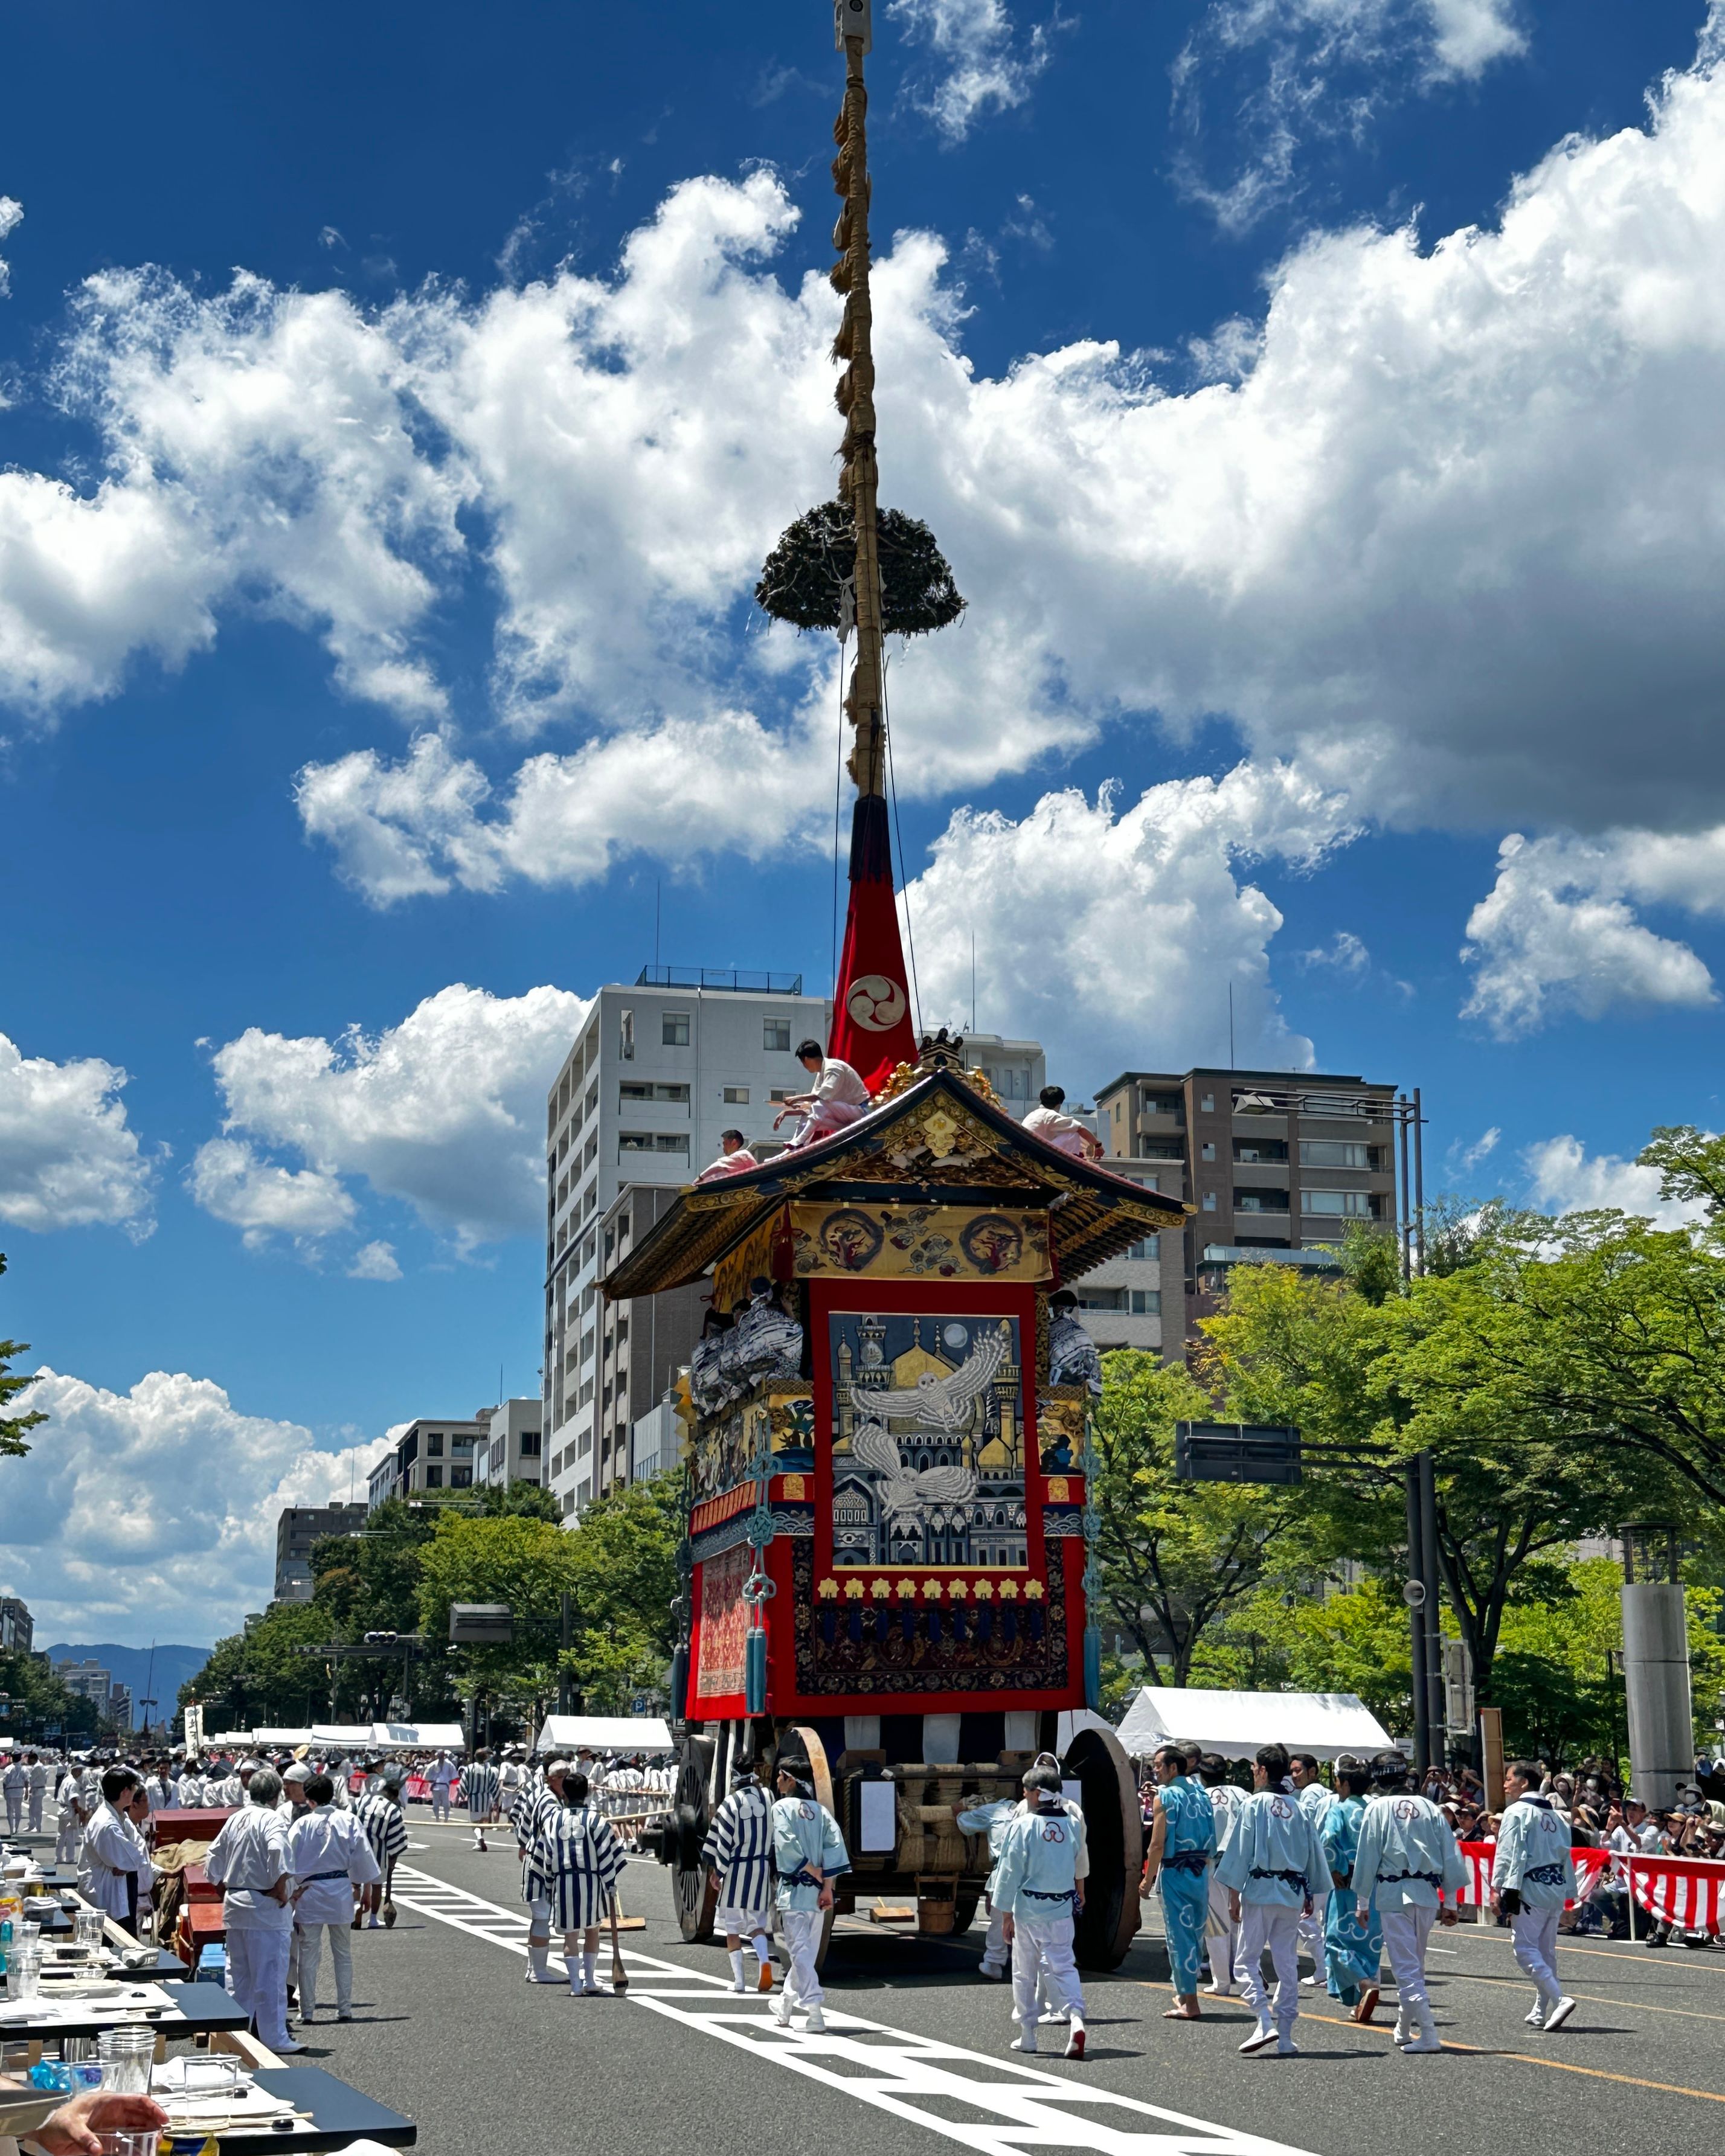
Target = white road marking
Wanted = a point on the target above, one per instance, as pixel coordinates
(1017, 2109)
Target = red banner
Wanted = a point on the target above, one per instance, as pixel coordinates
(1477, 1855)
(871, 1007)
(1684, 1891)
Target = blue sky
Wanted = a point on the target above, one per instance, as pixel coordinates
(394, 414)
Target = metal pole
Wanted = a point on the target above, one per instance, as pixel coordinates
(1404, 1229)
(566, 1640)
(1435, 1714)
(1416, 1625)
(1418, 1186)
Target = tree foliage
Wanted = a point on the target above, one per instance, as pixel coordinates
(12, 1427)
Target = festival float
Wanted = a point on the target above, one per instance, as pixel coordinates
(889, 1562)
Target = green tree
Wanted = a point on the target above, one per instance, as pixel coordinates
(1175, 1556)
(626, 1560)
(518, 1500)
(12, 1427)
(1354, 1640)
(39, 1700)
(528, 1565)
(258, 1677)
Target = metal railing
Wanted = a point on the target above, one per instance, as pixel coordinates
(719, 976)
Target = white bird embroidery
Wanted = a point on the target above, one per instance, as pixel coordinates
(901, 1489)
(941, 1403)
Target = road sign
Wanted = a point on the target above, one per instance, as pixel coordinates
(1236, 1452)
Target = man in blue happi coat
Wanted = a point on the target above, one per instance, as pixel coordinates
(1532, 1877)
(808, 1853)
(1353, 1946)
(1038, 1885)
(1183, 1841)
(991, 1819)
(1405, 1863)
(1274, 1870)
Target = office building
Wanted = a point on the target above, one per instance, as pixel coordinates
(119, 1713)
(657, 1071)
(1277, 1167)
(434, 1453)
(87, 1680)
(17, 1628)
(510, 1450)
(297, 1527)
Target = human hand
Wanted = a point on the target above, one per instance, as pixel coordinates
(1008, 1928)
(824, 1900)
(1446, 1916)
(76, 2128)
(1233, 1907)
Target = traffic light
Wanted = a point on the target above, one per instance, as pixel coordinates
(1236, 1452)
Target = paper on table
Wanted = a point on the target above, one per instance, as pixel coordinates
(99, 2002)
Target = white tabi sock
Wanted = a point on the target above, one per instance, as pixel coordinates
(573, 1964)
(735, 1957)
(590, 1967)
(763, 1948)
(539, 1959)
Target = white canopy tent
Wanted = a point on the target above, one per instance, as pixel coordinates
(282, 1740)
(1235, 1723)
(343, 1737)
(419, 1736)
(604, 1733)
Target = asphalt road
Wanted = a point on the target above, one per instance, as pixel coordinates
(916, 2055)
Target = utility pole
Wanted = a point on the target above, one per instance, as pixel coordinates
(1418, 1595)
(566, 1641)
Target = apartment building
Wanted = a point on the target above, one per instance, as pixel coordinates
(17, 1628)
(297, 1527)
(1277, 1167)
(512, 1449)
(432, 1454)
(659, 1068)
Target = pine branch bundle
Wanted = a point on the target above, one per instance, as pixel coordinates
(803, 579)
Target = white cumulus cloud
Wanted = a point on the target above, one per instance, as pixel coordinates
(12, 212)
(1563, 1177)
(375, 1262)
(1557, 931)
(1113, 935)
(68, 1156)
(444, 1112)
(983, 61)
(229, 1181)
(155, 1510)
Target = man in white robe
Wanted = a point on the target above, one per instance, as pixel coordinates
(837, 1097)
(249, 1860)
(119, 1874)
(330, 1855)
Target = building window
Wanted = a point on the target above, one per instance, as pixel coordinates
(433, 1445)
(1207, 1153)
(776, 1035)
(1334, 1152)
(1144, 1302)
(634, 1141)
(674, 1028)
(1270, 1153)
(1100, 1298)
(530, 1445)
(1338, 1204)
(1209, 1201)
(498, 1451)
(626, 1035)
(1260, 1201)
(736, 1097)
(778, 1095)
(460, 1478)
(433, 1478)
(634, 1089)
(671, 1142)
(1146, 1252)
(1207, 1105)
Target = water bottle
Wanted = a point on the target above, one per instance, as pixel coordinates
(5, 1941)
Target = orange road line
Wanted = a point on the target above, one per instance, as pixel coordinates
(1528, 2059)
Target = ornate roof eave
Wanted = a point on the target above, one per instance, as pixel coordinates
(886, 1156)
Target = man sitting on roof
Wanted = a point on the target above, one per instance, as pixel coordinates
(837, 1097)
(734, 1157)
(1056, 1128)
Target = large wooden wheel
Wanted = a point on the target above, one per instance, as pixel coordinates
(692, 1803)
(1114, 1829)
(806, 1741)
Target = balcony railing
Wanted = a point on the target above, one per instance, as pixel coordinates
(720, 977)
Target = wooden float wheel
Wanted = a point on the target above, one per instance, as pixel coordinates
(964, 1908)
(799, 1739)
(692, 1804)
(1114, 1830)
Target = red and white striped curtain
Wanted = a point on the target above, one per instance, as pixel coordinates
(1477, 1855)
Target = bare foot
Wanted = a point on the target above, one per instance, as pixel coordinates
(1186, 2013)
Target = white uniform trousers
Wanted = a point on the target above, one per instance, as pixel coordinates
(36, 1796)
(69, 1843)
(14, 1810)
(1269, 1924)
(733, 1919)
(996, 1953)
(1042, 1947)
(440, 1800)
(1221, 1938)
(257, 1979)
(1406, 1930)
(341, 1937)
(1534, 1935)
(802, 1930)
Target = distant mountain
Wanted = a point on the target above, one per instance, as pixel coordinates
(129, 1665)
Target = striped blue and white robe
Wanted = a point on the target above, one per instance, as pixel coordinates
(577, 1853)
(532, 1812)
(384, 1827)
(739, 1848)
(479, 1788)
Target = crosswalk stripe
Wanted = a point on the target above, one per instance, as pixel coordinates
(1020, 2108)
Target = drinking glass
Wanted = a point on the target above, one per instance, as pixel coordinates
(87, 1925)
(128, 2144)
(127, 2053)
(24, 1973)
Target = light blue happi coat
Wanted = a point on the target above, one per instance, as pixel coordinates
(804, 1832)
(1352, 1950)
(1038, 1866)
(1406, 1856)
(1533, 1854)
(1188, 1843)
(1273, 1854)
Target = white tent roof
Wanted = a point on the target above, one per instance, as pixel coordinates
(605, 1733)
(279, 1740)
(351, 1737)
(1235, 1723)
(419, 1736)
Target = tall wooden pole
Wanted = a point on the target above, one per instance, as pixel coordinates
(858, 477)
